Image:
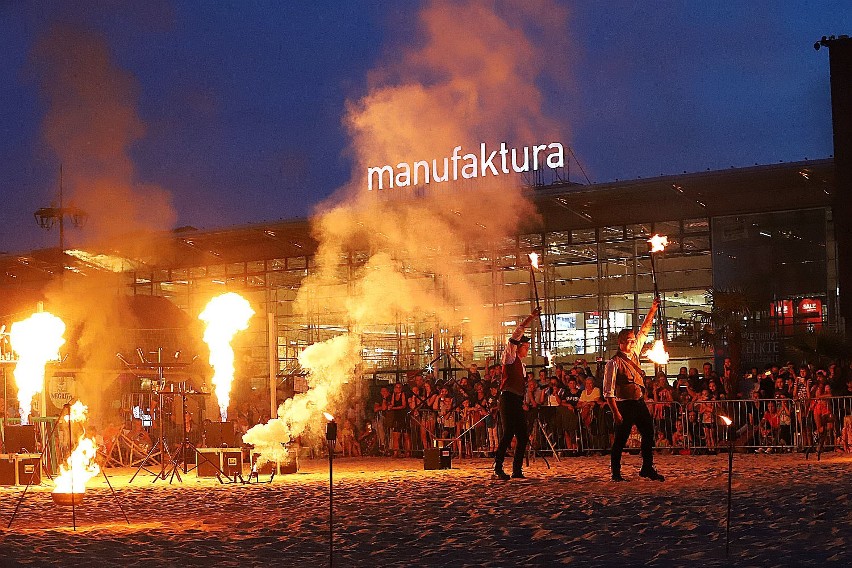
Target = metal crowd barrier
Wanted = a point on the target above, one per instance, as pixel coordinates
(773, 425)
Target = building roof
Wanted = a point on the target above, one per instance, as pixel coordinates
(562, 206)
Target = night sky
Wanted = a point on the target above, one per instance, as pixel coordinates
(242, 102)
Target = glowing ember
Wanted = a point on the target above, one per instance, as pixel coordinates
(657, 353)
(36, 340)
(224, 315)
(534, 259)
(328, 416)
(78, 412)
(658, 243)
(726, 420)
(80, 468)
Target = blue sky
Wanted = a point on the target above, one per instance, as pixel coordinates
(243, 102)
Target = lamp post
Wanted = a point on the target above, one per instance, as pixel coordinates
(331, 441)
(728, 428)
(47, 217)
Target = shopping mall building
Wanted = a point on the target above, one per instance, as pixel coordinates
(777, 233)
(766, 230)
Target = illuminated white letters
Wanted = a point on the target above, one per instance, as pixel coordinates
(472, 165)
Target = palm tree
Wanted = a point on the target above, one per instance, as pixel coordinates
(722, 327)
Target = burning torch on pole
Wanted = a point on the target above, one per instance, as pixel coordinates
(545, 347)
(658, 353)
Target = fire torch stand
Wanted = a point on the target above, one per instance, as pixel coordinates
(729, 429)
(331, 440)
(66, 411)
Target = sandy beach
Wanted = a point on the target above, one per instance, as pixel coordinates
(390, 512)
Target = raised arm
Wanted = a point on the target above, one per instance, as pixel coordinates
(646, 325)
(519, 331)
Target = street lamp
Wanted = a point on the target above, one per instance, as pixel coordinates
(47, 217)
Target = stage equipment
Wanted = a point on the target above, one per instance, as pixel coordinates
(288, 465)
(215, 462)
(160, 448)
(331, 440)
(16, 469)
(437, 458)
(219, 435)
(62, 499)
(20, 438)
(202, 460)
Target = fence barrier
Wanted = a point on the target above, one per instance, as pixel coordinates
(773, 425)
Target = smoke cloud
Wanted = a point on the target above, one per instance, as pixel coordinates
(91, 124)
(472, 77)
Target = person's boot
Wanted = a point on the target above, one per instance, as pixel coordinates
(518, 474)
(617, 477)
(652, 474)
(500, 474)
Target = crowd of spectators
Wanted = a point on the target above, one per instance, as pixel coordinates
(780, 407)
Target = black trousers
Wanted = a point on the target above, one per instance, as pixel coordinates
(514, 425)
(633, 412)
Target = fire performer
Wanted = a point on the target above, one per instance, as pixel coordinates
(624, 390)
(512, 399)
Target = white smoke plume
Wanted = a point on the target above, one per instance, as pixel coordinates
(472, 75)
(330, 364)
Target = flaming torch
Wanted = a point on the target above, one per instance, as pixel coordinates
(331, 440)
(658, 353)
(545, 350)
(224, 315)
(36, 340)
(533, 267)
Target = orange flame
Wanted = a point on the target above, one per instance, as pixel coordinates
(80, 468)
(534, 259)
(658, 243)
(224, 315)
(78, 412)
(657, 353)
(36, 340)
(328, 416)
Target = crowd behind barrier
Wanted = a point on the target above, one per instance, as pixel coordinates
(780, 409)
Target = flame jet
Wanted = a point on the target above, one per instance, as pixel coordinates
(36, 340)
(224, 315)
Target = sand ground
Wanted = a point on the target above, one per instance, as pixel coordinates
(391, 512)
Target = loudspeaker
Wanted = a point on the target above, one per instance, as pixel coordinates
(220, 435)
(437, 458)
(20, 438)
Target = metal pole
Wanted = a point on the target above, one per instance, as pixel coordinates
(71, 473)
(330, 503)
(272, 340)
(730, 476)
